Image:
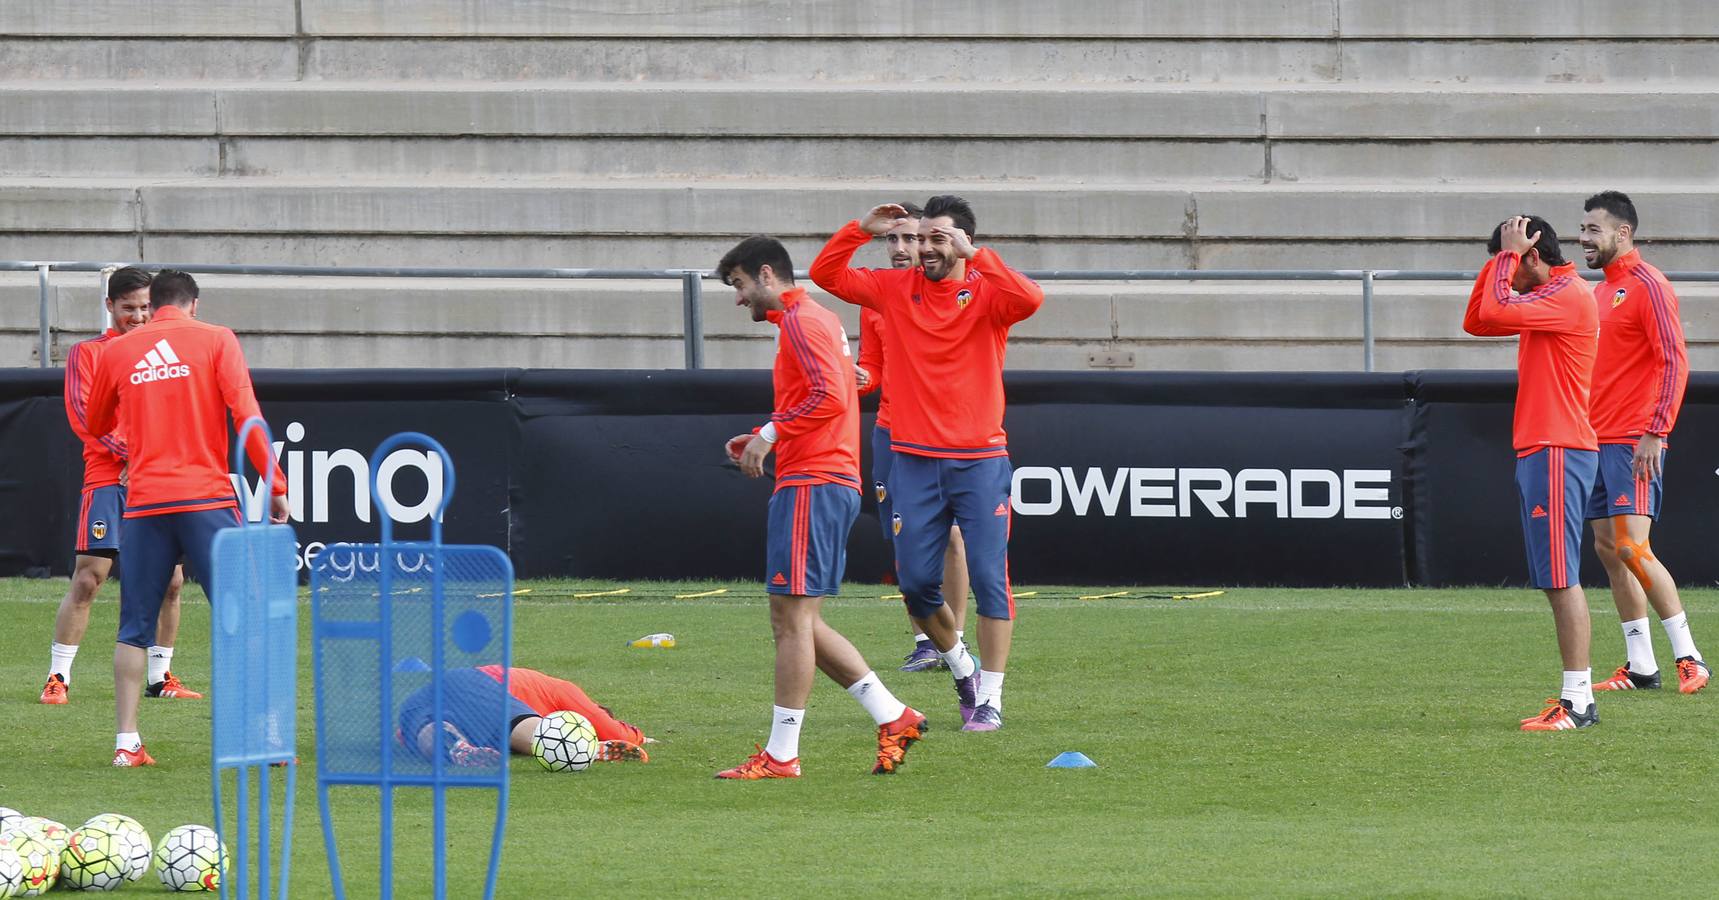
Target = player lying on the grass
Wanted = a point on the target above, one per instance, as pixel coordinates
(1528, 289)
(178, 385)
(901, 242)
(947, 331)
(470, 698)
(814, 433)
(1640, 373)
(100, 526)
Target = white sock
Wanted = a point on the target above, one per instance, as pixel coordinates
(1579, 689)
(960, 662)
(920, 638)
(877, 699)
(785, 724)
(127, 740)
(62, 656)
(991, 689)
(1677, 628)
(1639, 642)
(160, 660)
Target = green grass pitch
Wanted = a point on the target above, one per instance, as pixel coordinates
(1265, 742)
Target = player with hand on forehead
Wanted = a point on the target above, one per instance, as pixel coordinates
(1640, 373)
(814, 432)
(901, 243)
(100, 522)
(1527, 289)
(946, 333)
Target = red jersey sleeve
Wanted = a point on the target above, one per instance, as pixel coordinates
(80, 373)
(830, 270)
(813, 350)
(1494, 310)
(234, 378)
(871, 349)
(1017, 295)
(1664, 332)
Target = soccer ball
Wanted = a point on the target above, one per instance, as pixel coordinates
(38, 864)
(47, 831)
(131, 842)
(191, 858)
(11, 871)
(564, 742)
(92, 860)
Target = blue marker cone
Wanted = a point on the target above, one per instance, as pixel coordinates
(1072, 759)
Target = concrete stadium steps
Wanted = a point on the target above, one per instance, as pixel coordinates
(361, 322)
(620, 223)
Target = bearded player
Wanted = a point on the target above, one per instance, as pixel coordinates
(100, 522)
(901, 243)
(814, 433)
(1639, 378)
(946, 332)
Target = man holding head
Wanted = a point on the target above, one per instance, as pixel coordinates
(901, 243)
(100, 525)
(947, 331)
(1527, 289)
(171, 386)
(1639, 377)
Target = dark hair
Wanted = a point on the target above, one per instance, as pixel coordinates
(914, 210)
(1550, 253)
(124, 281)
(956, 209)
(752, 255)
(1615, 202)
(172, 287)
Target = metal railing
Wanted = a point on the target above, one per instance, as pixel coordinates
(692, 284)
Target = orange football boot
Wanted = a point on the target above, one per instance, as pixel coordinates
(893, 739)
(762, 765)
(126, 759)
(1692, 675)
(1559, 716)
(54, 692)
(171, 686)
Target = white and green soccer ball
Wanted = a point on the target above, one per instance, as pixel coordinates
(131, 842)
(11, 871)
(191, 858)
(93, 860)
(564, 742)
(38, 864)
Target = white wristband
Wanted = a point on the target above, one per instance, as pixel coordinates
(767, 434)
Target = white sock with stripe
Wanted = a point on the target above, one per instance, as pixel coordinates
(876, 699)
(160, 660)
(1638, 640)
(1677, 629)
(61, 656)
(1579, 689)
(785, 725)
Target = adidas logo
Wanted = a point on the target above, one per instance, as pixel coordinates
(1623, 500)
(159, 364)
(779, 581)
(1538, 513)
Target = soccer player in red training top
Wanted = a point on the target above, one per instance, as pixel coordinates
(1528, 289)
(902, 244)
(99, 522)
(470, 698)
(815, 435)
(1639, 377)
(947, 329)
(170, 386)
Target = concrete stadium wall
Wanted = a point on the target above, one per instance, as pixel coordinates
(652, 134)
